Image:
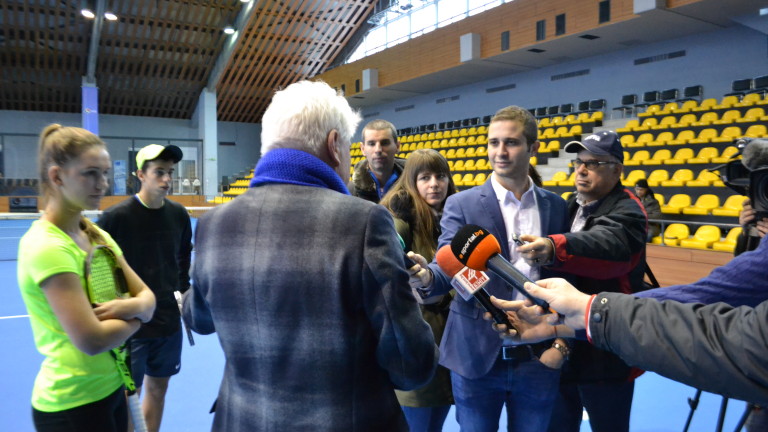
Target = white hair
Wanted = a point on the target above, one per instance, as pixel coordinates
(302, 115)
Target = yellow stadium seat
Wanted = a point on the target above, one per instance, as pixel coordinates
(461, 153)
(686, 107)
(705, 155)
(430, 136)
(596, 117)
(662, 139)
(633, 177)
(659, 197)
(668, 108)
(679, 178)
(482, 151)
(705, 136)
(454, 133)
(728, 134)
(480, 179)
(706, 105)
(680, 157)
(637, 159)
(451, 154)
(561, 132)
(565, 195)
(462, 141)
(726, 155)
(647, 124)
(666, 123)
(553, 146)
(703, 205)
(651, 110)
(728, 117)
(731, 207)
(468, 179)
(472, 131)
(642, 140)
(675, 233)
(706, 119)
(756, 131)
(703, 238)
(704, 179)
(482, 139)
(676, 204)
(458, 165)
(753, 115)
(463, 132)
(727, 102)
(749, 100)
(571, 119)
(457, 180)
(534, 160)
(482, 164)
(557, 177)
(682, 137)
(472, 140)
(482, 130)
(656, 177)
(570, 181)
(685, 121)
(627, 140)
(659, 157)
(470, 165)
(470, 152)
(729, 243)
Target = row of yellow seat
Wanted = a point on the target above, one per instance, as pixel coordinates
(709, 104)
(660, 177)
(445, 134)
(688, 136)
(706, 204)
(706, 237)
(571, 119)
(708, 118)
(682, 156)
(469, 179)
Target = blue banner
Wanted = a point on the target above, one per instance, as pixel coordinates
(91, 108)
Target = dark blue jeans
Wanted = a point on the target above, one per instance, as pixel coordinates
(608, 405)
(527, 388)
(426, 419)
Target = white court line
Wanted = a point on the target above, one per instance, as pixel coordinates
(14, 316)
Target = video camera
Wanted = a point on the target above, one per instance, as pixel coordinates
(749, 176)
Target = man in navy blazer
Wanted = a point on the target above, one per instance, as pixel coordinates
(486, 372)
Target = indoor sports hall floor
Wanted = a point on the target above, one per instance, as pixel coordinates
(659, 404)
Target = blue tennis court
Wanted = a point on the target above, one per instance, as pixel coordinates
(660, 405)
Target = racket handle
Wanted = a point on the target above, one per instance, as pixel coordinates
(137, 417)
(189, 333)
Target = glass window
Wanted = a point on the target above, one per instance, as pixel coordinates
(450, 11)
(398, 30)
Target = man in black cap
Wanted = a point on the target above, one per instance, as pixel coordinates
(605, 251)
(155, 235)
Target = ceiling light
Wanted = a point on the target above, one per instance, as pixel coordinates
(244, 1)
(110, 16)
(229, 30)
(87, 13)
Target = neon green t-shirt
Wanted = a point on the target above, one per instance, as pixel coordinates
(68, 377)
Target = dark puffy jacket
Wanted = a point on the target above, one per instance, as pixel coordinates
(362, 185)
(607, 255)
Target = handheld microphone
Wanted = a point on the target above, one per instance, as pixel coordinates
(469, 283)
(478, 249)
(408, 261)
(191, 339)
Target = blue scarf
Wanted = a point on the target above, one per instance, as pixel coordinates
(285, 165)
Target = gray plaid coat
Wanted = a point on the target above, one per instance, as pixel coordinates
(307, 291)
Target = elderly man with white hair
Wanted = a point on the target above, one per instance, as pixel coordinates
(306, 285)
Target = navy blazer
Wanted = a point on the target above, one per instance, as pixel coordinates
(470, 346)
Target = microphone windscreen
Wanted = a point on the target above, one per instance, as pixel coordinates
(473, 246)
(447, 261)
(755, 154)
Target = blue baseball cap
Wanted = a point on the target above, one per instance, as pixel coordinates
(599, 143)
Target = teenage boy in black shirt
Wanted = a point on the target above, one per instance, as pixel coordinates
(155, 235)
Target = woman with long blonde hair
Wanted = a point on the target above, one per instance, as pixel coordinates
(416, 201)
(78, 386)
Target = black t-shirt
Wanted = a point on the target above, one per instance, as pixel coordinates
(157, 243)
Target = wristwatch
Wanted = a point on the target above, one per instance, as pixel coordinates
(563, 348)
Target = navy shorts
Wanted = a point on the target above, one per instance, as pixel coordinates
(157, 357)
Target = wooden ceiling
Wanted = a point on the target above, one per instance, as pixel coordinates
(157, 58)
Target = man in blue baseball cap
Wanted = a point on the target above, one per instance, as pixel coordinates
(605, 251)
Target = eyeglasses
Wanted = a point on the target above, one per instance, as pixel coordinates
(591, 164)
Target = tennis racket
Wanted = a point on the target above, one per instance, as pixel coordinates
(105, 281)
(191, 339)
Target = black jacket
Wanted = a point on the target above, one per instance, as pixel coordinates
(607, 255)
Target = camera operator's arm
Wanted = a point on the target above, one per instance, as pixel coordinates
(751, 231)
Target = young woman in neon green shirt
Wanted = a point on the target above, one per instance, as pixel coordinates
(78, 386)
